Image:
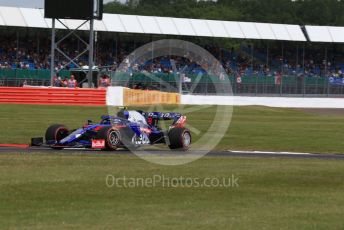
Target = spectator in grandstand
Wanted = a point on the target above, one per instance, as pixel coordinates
(72, 83)
(278, 78)
(104, 81)
(57, 82)
(64, 82)
(239, 81)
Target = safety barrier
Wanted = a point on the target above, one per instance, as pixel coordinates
(120, 96)
(279, 102)
(52, 96)
(145, 97)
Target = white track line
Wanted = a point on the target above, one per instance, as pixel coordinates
(267, 152)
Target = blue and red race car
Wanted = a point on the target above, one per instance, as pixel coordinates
(129, 129)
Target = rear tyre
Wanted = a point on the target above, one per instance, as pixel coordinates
(56, 133)
(111, 136)
(180, 139)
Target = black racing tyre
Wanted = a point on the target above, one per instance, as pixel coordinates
(180, 138)
(56, 133)
(111, 136)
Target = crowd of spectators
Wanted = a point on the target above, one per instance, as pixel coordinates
(35, 54)
(22, 56)
(69, 83)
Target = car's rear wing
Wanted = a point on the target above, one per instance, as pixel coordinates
(178, 119)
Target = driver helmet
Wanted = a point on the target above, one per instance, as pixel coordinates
(123, 114)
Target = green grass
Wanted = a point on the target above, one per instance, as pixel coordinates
(55, 191)
(68, 191)
(252, 128)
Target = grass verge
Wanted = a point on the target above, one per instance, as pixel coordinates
(41, 191)
(252, 127)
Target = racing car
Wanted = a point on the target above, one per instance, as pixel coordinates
(129, 129)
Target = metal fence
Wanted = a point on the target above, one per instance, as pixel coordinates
(19, 77)
(288, 86)
(201, 85)
(249, 85)
(19, 82)
(193, 84)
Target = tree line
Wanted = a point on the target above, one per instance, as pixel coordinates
(301, 12)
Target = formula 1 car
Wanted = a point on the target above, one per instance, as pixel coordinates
(129, 129)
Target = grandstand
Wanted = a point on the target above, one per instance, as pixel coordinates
(304, 56)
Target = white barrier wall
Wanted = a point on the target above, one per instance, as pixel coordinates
(286, 102)
(206, 100)
(120, 96)
(115, 97)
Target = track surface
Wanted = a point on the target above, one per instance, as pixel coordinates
(157, 152)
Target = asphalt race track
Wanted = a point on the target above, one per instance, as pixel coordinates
(210, 154)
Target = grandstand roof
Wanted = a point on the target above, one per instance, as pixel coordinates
(34, 18)
(325, 33)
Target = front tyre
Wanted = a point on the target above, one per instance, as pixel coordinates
(111, 136)
(180, 139)
(55, 133)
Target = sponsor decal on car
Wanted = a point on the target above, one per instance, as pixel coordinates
(98, 144)
(146, 130)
